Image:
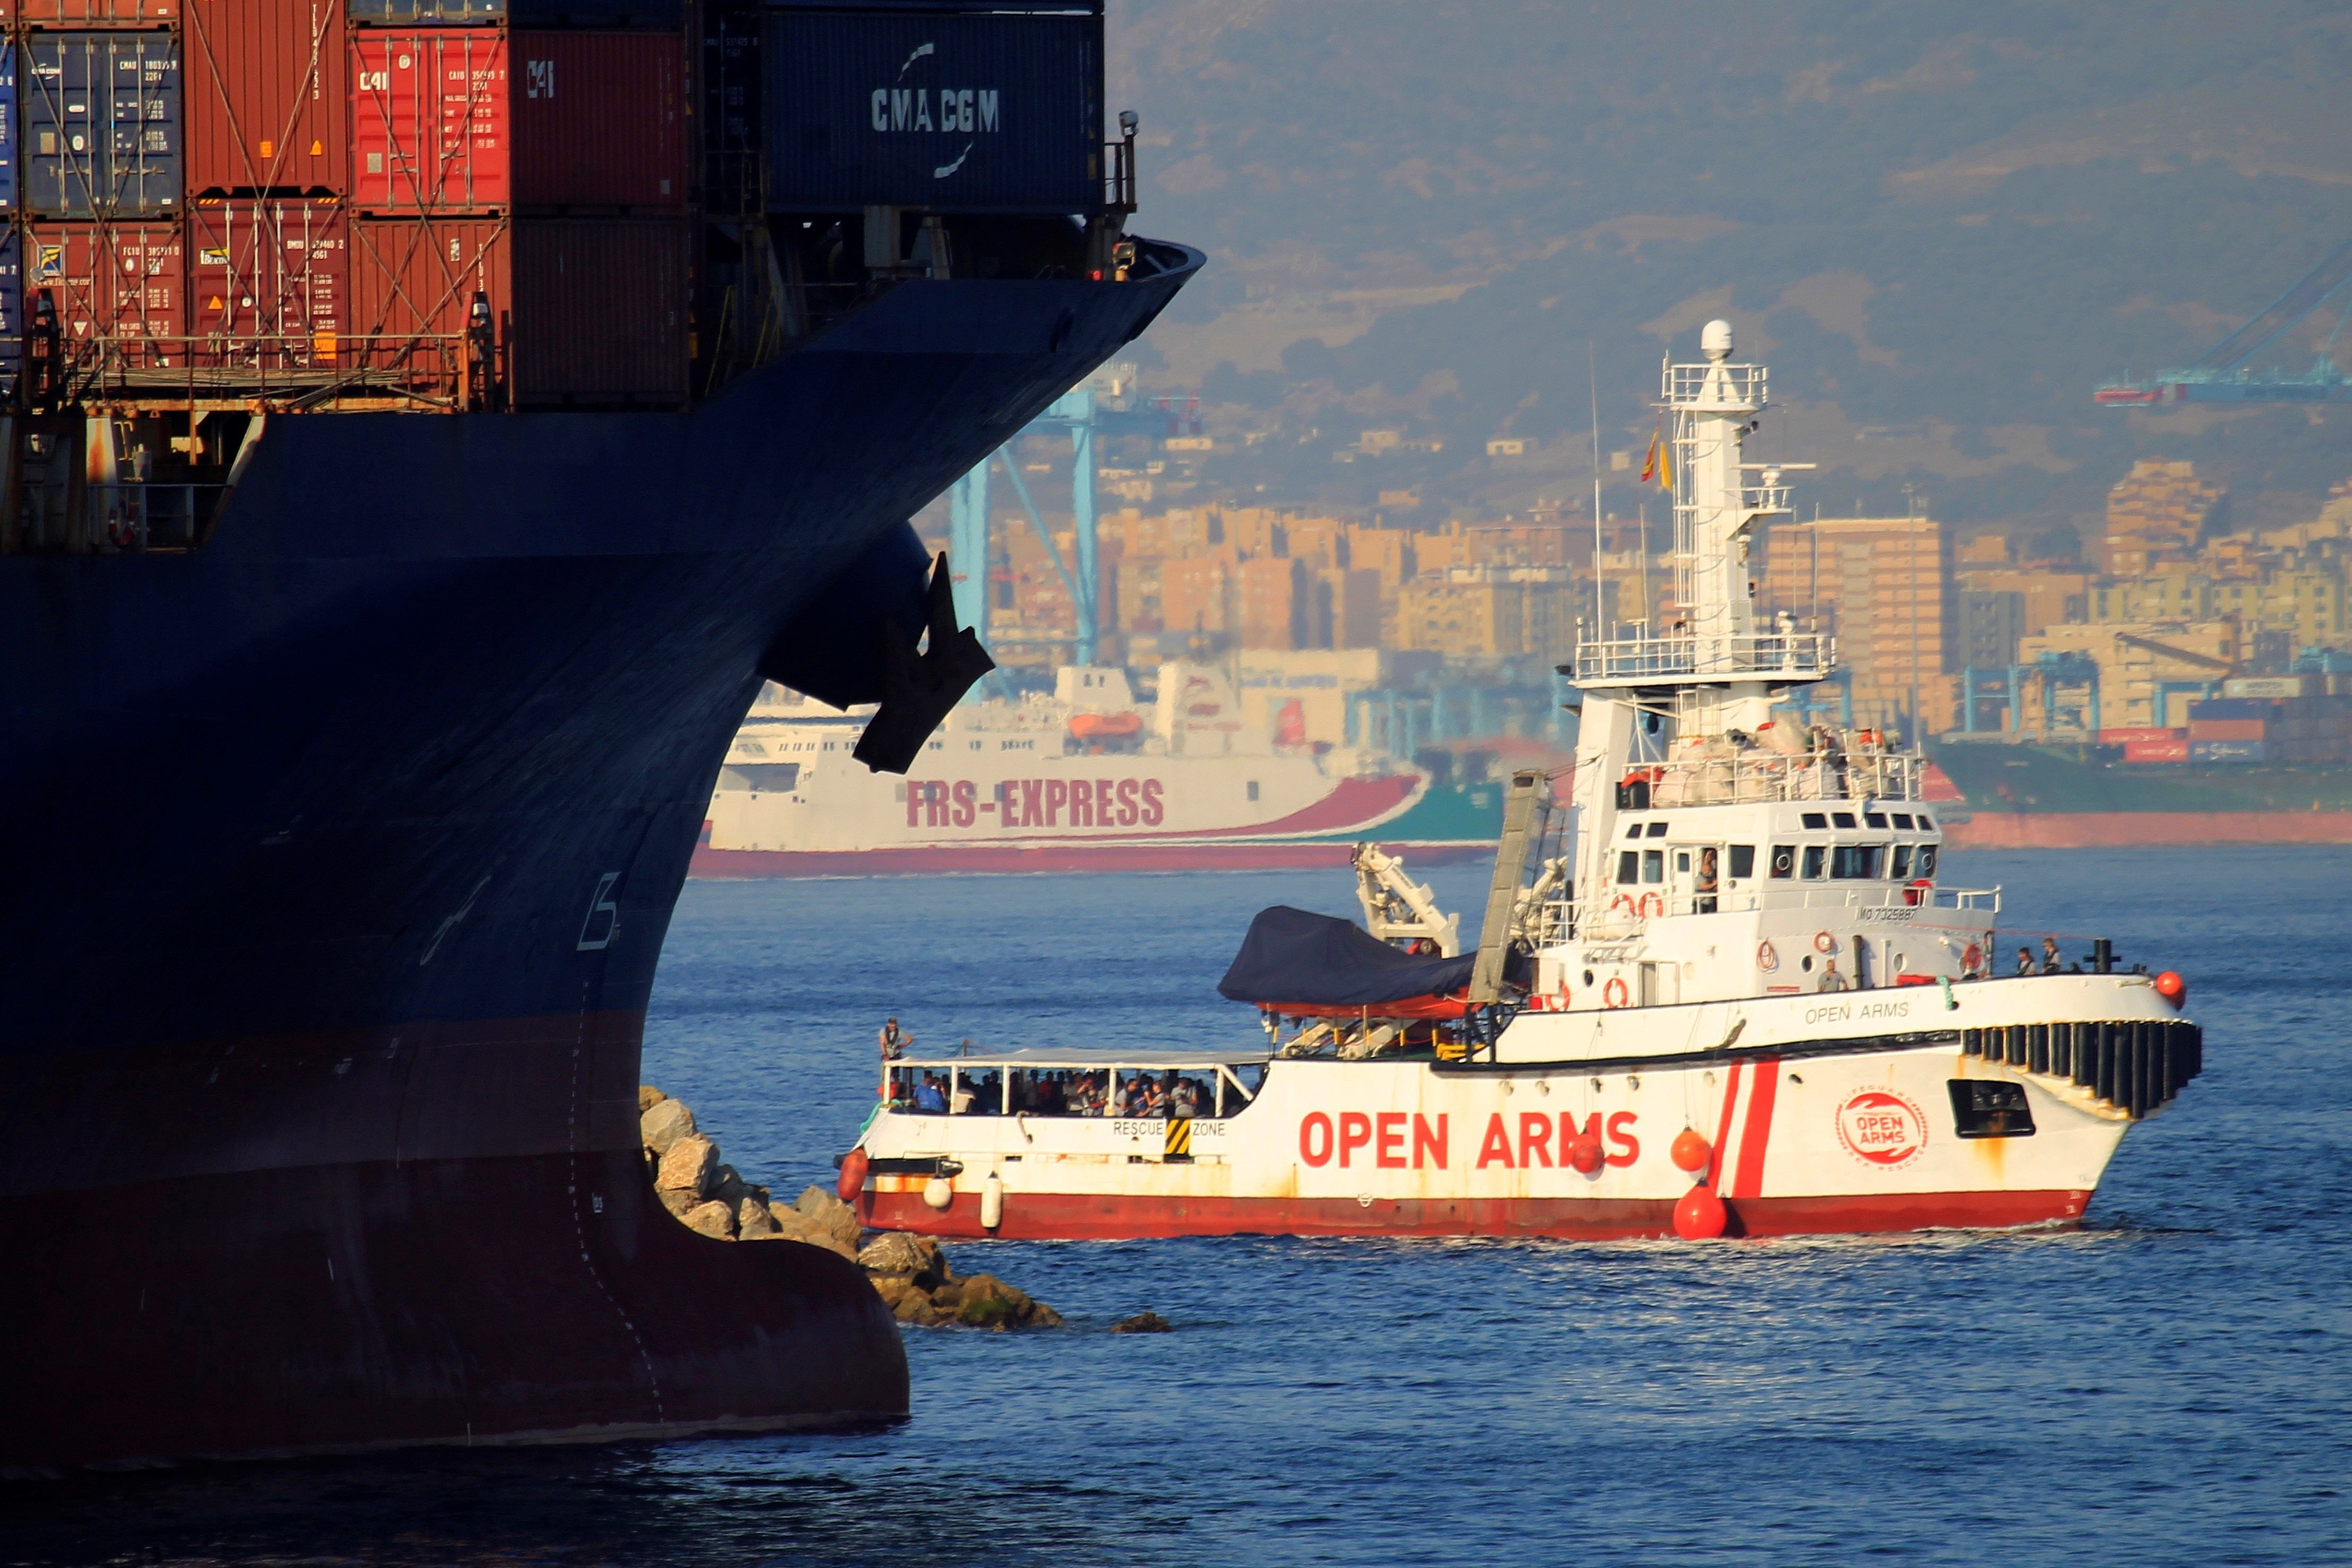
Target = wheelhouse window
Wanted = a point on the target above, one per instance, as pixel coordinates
(1856, 862)
(1784, 862)
(1903, 820)
(1874, 818)
(1842, 818)
(1816, 857)
(1633, 830)
(1654, 865)
(1900, 861)
(1629, 865)
(1657, 830)
(1743, 860)
(1816, 821)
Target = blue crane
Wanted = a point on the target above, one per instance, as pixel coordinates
(2226, 371)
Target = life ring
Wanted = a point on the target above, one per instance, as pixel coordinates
(1647, 899)
(1824, 943)
(1767, 959)
(1973, 959)
(1624, 900)
(1614, 994)
(1914, 894)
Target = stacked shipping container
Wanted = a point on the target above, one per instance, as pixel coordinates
(352, 197)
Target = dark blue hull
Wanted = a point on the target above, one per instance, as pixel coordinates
(340, 853)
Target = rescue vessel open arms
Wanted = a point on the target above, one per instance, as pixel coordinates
(1663, 1044)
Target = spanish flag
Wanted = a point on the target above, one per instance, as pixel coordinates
(1658, 464)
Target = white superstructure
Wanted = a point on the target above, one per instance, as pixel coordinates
(1756, 1006)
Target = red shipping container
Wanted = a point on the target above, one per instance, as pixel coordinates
(79, 14)
(429, 121)
(600, 313)
(2145, 732)
(2156, 751)
(268, 281)
(599, 120)
(2229, 729)
(440, 123)
(266, 92)
(589, 313)
(124, 284)
(413, 282)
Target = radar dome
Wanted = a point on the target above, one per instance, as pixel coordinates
(1714, 339)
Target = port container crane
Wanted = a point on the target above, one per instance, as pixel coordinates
(2227, 372)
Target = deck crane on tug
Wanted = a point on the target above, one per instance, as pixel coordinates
(1754, 1008)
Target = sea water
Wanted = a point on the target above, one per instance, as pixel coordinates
(2167, 1385)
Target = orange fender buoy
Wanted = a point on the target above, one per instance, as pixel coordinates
(2172, 989)
(1691, 1151)
(854, 1165)
(1699, 1216)
(1585, 1154)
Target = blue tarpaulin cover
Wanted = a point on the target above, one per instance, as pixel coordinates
(1319, 960)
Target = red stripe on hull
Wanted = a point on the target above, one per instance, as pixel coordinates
(1016, 860)
(2133, 830)
(1051, 1216)
(1761, 1091)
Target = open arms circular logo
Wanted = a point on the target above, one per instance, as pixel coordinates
(1881, 1127)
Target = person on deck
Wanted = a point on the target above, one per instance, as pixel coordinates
(2050, 955)
(930, 1097)
(1705, 887)
(2025, 960)
(1831, 980)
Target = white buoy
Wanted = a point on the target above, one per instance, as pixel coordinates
(938, 1192)
(991, 1202)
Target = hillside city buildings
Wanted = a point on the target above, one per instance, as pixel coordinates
(1936, 634)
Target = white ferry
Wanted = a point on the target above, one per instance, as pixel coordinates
(1085, 779)
(1755, 1008)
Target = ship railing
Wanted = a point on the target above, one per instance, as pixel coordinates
(1765, 776)
(145, 516)
(301, 370)
(1630, 907)
(1794, 656)
(1715, 386)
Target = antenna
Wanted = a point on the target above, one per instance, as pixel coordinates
(1593, 390)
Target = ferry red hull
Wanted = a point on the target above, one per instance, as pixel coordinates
(1010, 860)
(1053, 1217)
(2138, 830)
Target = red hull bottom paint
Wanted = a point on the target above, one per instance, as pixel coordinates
(2133, 830)
(1044, 1216)
(1010, 860)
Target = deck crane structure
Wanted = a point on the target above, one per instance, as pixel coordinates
(2227, 372)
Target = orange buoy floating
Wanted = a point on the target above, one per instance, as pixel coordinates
(1691, 1151)
(1585, 1154)
(1699, 1216)
(2172, 989)
(854, 1165)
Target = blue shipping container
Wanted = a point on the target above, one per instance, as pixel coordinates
(101, 118)
(2229, 751)
(2229, 707)
(954, 113)
(9, 133)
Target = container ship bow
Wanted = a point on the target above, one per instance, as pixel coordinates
(431, 426)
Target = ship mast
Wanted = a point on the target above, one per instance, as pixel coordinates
(1711, 669)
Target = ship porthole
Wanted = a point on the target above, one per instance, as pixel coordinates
(1587, 979)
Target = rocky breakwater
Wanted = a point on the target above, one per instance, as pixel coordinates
(911, 1273)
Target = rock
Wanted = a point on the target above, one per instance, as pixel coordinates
(894, 1288)
(678, 1202)
(794, 1226)
(756, 1193)
(1043, 1317)
(916, 1308)
(985, 1301)
(663, 1123)
(712, 1219)
(753, 1222)
(828, 1213)
(727, 1186)
(1142, 1322)
(648, 1097)
(689, 1164)
(899, 1252)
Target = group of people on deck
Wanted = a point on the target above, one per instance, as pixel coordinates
(1052, 1092)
